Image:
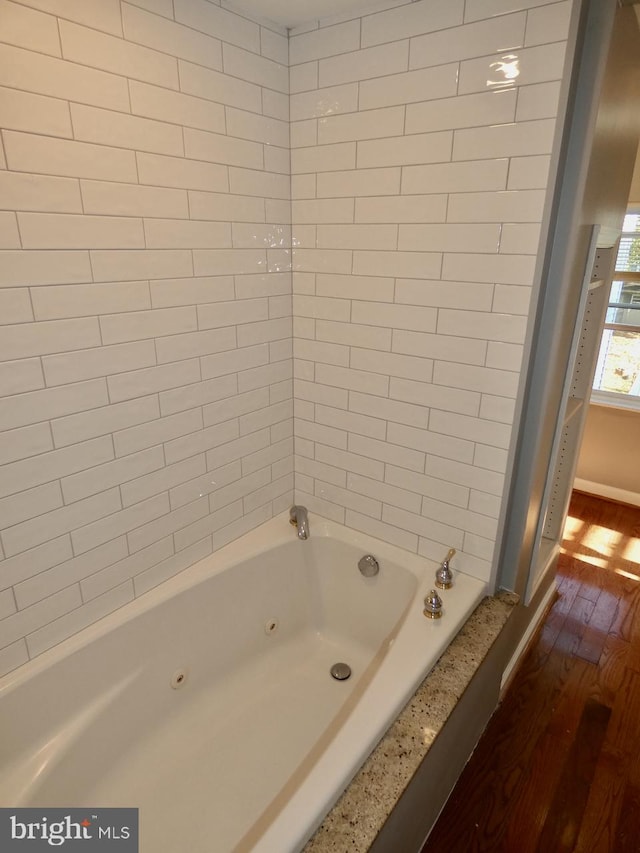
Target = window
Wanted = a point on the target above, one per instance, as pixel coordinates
(617, 377)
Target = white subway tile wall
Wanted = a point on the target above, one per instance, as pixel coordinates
(146, 358)
(159, 160)
(420, 137)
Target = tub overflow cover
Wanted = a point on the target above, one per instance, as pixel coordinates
(369, 566)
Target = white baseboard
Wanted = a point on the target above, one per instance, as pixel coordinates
(601, 490)
(526, 637)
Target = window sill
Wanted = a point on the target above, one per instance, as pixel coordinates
(615, 401)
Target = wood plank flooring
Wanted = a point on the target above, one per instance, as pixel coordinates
(558, 767)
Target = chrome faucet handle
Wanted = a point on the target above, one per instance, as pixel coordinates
(444, 575)
(433, 605)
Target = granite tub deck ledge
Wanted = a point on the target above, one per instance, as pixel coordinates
(359, 814)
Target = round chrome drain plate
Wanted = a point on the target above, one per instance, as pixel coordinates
(340, 671)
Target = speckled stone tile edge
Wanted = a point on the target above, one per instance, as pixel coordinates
(361, 811)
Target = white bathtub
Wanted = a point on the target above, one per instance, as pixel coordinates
(208, 702)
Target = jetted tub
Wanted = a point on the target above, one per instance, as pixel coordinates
(208, 703)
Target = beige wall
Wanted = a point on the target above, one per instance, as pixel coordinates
(610, 442)
(608, 463)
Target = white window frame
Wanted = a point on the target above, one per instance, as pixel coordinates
(612, 398)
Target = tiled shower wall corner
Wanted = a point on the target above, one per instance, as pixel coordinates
(145, 300)
(145, 285)
(420, 140)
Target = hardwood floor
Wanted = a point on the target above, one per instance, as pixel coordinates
(558, 767)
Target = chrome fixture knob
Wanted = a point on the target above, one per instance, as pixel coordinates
(433, 605)
(444, 575)
(368, 566)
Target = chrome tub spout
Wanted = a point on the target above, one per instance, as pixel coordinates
(298, 517)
